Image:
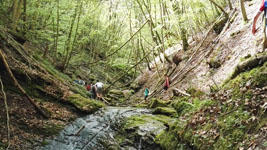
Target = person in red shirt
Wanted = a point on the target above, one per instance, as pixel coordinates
(167, 83)
(254, 30)
(88, 87)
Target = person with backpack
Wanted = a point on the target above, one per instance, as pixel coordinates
(262, 8)
(99, 87)
(93, 92)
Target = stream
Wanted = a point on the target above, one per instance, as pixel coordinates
(98, 131)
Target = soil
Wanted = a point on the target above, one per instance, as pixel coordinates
(28, 127)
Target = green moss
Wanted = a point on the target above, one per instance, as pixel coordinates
(85, 104)
(164, 111)
(138, 120)
(158, 103)
(115, 92)
(183, 106)
(51, 69)
(255, 78)
(195, 92)
(52, 129)
(141, 105)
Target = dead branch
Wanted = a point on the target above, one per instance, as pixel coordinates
(2, 56)
(128, 71)
(175, 90)
(7, 114)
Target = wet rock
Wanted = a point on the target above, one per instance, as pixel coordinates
(98, 133)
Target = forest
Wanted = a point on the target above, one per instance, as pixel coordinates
(133, 75)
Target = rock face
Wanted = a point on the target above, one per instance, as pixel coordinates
(112, 128)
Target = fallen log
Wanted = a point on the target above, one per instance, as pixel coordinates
(249, 64)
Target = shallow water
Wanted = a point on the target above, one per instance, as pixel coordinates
(95, 131)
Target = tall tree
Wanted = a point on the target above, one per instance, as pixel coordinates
(17, 6)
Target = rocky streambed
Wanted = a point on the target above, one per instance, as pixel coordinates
(114, 128)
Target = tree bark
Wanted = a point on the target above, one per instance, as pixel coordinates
(243, 10)
(17, 6)
(230, 4)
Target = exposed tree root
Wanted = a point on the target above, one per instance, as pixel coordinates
(7, 114)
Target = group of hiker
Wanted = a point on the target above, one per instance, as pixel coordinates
(165, 87)
(95, 90)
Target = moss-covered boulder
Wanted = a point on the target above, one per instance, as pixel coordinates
(144, 128)
(115, 92)
(127, 93)
(168, 111)
(182, 107)
(85, 104)
(158, 103)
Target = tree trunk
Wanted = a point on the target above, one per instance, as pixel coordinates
(230, 4)
(17, 6)
(218, 6)
(68, 42)
(243, 10)
(56, 41)
(75, 36)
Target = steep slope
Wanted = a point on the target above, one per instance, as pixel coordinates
(211, 59)
(227, 105)
(41, 102)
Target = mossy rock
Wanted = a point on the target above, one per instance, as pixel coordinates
(218, 27)
(85, 104)
(127, 93)
(115, 92)
(141, 105)
(168, 111)
(137, 121)
(52, 129)
(214, 63)
(195, 92)
(158, 103)
(182, 107)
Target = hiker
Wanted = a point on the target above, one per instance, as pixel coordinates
(93, 91)
(88, 87)
(167, 83)
(99, 87)
(262, 8)
(79, 81)
(146, 93)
